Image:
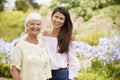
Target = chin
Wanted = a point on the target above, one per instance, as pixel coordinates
(57, 27)
(35, 33)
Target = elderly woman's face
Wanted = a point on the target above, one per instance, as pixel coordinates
(34, 27)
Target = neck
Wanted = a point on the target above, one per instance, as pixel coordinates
(32, 39)
(55, 32)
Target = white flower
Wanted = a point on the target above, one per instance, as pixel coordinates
(4, 60)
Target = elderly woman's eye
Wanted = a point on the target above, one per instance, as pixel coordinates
(38, 24)
(32, 24)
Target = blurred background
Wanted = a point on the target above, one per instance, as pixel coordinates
(96, 24)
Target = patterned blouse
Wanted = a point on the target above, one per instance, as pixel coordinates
(32, 61)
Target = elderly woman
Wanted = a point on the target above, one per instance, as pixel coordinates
(29, 60)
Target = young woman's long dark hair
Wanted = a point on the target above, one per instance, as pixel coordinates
(65, 33)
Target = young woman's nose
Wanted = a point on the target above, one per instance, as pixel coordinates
(57, 19)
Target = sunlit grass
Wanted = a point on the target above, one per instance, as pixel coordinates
(3, 78)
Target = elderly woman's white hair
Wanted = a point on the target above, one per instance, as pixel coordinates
(30, 17)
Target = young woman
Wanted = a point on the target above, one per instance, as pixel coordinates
(60, 47)
(29, 60)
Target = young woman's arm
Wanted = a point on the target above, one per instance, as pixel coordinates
(74, 65)
(15, 73)
(73, 37)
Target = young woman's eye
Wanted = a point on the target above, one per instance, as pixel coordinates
(56, 16)
(61, 19)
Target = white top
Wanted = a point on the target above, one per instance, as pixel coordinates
(32, 61)
(60, 60)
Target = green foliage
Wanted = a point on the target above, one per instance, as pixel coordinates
(92, 37)
(70, 3)
(1, 5)
(86, 8)
(90, 76)
(25, 5)
(4, 68)
(98, 71)
(92, 32)
(43, 11)
(54, 4)
(11, 24)
(114, 1)
(104, 23)
(35, 5)
(110, 11)
(109, 70)
(22, 5)
(117, 22)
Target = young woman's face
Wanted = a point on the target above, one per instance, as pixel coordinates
(34, 27)
(58, 20)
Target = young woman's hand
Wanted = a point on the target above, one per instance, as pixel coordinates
(75, 78)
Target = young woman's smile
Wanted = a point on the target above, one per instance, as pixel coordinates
(58, 20)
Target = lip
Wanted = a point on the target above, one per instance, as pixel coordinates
(35, 30)
(56, 23)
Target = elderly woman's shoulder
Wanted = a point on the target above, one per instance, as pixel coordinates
(18, 43)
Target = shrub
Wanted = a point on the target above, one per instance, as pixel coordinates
(11, 24)
(92, 37)
(111, 70)
(4, 67)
